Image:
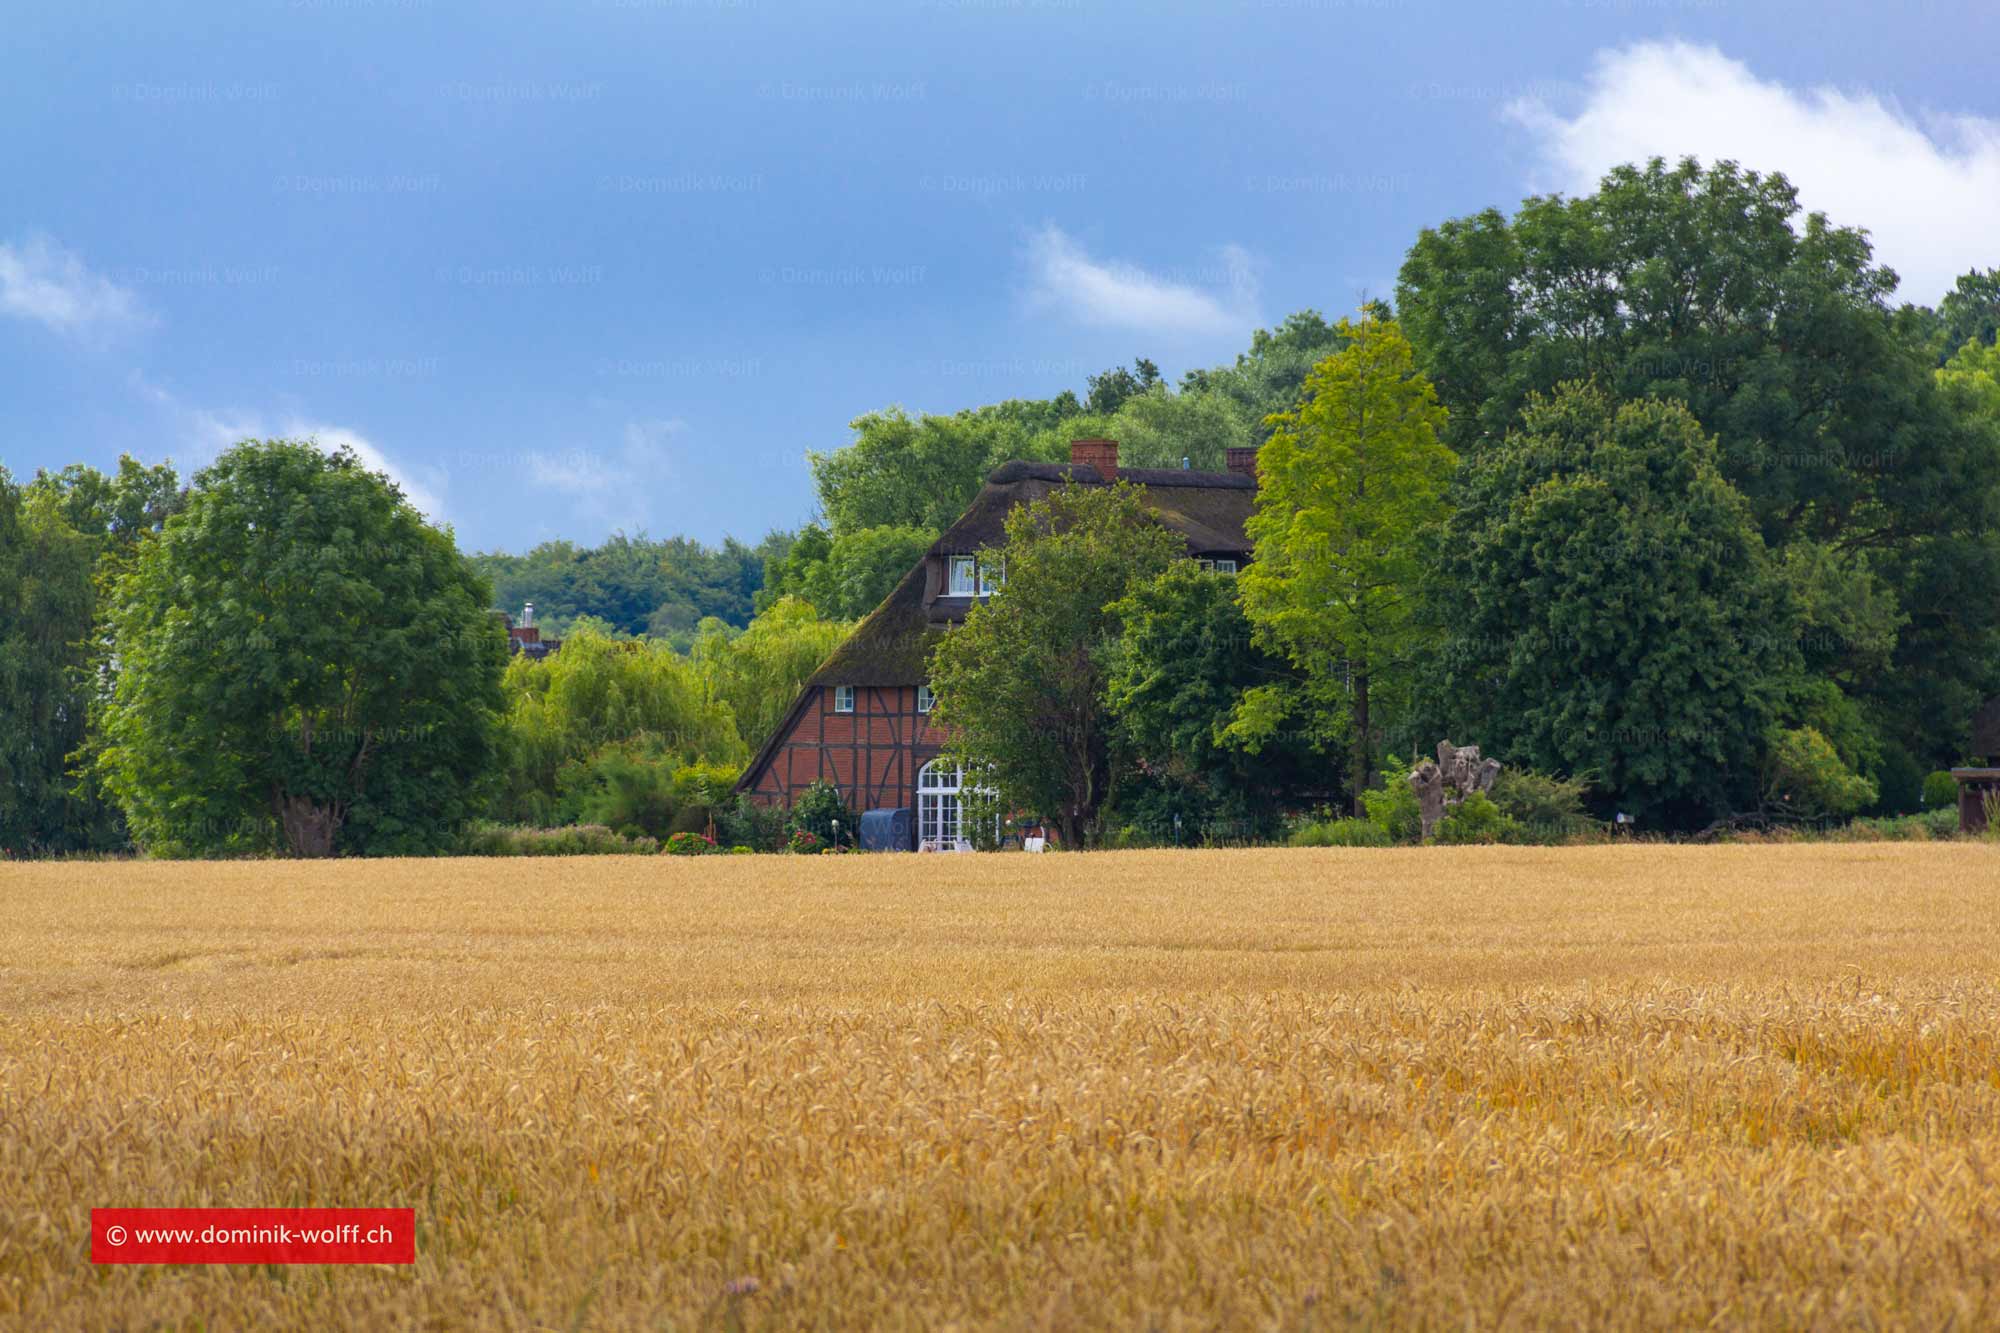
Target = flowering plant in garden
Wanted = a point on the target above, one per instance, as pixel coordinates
(804, 842)
(688, 844)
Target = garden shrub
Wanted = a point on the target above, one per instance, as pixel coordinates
(1940, 790)
(1547, 809)
(1806, 778)
(1342, 833)
(1393, 807)
(486, 839)
(818, 808)
(1476, 819)
(688, 844)
(804, 842)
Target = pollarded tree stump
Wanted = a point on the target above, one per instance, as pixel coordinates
(1457, 772)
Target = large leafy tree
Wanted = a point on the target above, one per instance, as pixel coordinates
(846, 576)
(1613, 610)
(1185, 657)
(1020, 686)
(62, 536)
(1704, 286)
(914, 472)
(303, 663)
(1970, 311)
(1348, 485)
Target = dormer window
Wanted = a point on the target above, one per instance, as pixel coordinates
(973, 576)
(1219, 566)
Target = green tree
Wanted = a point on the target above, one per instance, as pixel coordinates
(1270, 377)
(46, 606)
(1020, 686)
(1613, 611)
(912, 472)
(598, 691)
(1970, 311)
(1160, 429)
(1706, 286)
(302, 663)
(1110, 390)
(1185, 656)
(62, 536)
(848, 575)
(1348, 485)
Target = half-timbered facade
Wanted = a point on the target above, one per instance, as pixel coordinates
(862, 720)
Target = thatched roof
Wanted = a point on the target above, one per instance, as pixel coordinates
(1209, 509)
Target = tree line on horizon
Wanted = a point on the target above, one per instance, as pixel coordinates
(1661, 495)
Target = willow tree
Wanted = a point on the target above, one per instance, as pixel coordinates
(303, 664)
(1347, 485)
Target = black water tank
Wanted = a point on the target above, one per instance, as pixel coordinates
(888, 830)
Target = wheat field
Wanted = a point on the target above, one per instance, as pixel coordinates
(1487, 1087)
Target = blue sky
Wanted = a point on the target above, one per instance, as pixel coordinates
(568, 268)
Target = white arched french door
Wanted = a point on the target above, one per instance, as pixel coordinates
(941, 823)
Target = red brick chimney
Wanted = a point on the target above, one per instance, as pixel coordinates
(1241, 460)
(1100, 454)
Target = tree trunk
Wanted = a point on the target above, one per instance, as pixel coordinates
(309, 829)
(1362, 769)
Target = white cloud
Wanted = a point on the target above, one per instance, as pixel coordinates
(40, 280)
(1926, 188)
(1219, 298)
(612, 488)
(208, 432)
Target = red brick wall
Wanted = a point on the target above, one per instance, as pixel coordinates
(872, 754)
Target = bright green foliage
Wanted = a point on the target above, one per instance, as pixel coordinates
(1392, 805)
(1020, 686)
(303, 664)
(758, 672)
(1474, 820)
(62, 537)
(598, 691)
(1805, 778)
(846, 576)
(688, 844)
(1342, 833)
(1544, 809)
(1613, 610)
(1940, 790)
(1184, 659)
(1349, 484)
